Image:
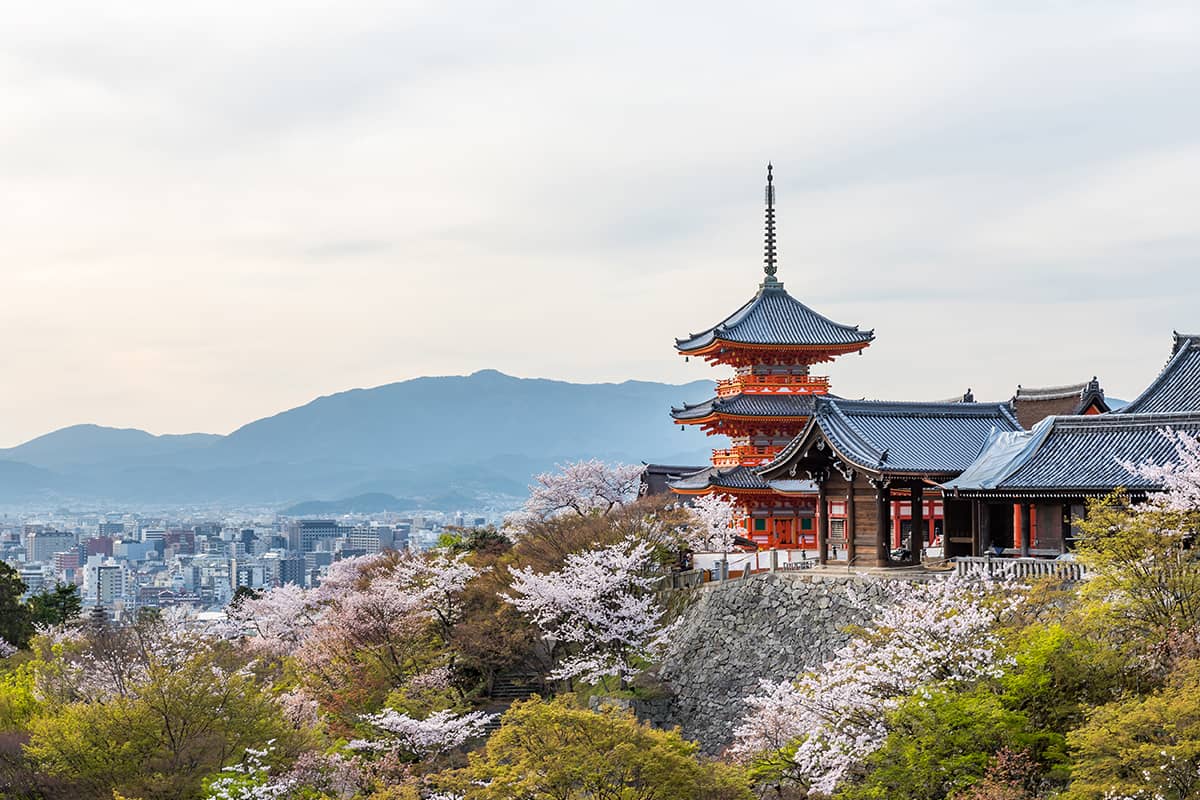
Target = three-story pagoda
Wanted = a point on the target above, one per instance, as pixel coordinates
(771, 342)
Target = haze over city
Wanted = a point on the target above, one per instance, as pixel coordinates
(216, 212)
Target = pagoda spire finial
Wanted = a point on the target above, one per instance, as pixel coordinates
(769, 265)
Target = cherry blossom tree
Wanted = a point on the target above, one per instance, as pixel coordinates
(438, 733)
(582, 488)
(437, 581)
(715, 520)
(935, 632)
(279, 619)
(1179, 477)
(6, 649)
(368, 603)
(600, 605)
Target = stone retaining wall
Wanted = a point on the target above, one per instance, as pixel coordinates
(733, 634)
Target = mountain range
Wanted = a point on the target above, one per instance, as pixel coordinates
(452, 442)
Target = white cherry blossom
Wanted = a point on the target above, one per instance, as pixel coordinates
(935, 632)
(601, 605)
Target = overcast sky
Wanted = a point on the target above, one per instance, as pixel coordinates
(211, 212)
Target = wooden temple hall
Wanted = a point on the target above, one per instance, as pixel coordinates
(875, 483)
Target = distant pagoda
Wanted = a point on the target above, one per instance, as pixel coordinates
(771, 342)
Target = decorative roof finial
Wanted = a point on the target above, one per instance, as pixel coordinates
(769, 265)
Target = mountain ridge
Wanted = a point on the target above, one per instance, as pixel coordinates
(480, 435)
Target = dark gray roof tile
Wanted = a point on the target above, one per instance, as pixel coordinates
(774, 317)
(1177, 387)
(903, 437)
(1075, 454)
(731, 478)
(750, 405)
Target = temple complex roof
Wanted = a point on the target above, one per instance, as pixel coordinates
(1177, 387)
(656, 478)
(734, 478)
(748, 405)
(1032, 405)
(774, 318)
(896, 437)
(1073, 456)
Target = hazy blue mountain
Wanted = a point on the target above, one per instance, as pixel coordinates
(471, 419)
(427, 440)
(20, 482)
(90, 444)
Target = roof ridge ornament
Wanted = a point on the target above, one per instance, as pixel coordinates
(769, 254)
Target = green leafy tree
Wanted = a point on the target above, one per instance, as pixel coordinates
(474, 540)
(15, 625)
(241, 594)
(168, 726)
(1145, 746)
(1146, 578)
(941, 742)
(18, 697)
(55, 606)
(1056, 673)
(557, 751)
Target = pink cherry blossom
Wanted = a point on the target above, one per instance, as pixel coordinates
(438, 733)
(1179, 477)
(582, 487)
(716, 519)
(600, 605)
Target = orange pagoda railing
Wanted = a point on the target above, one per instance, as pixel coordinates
(772, 384)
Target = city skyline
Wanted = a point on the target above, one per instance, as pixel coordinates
(198, 236)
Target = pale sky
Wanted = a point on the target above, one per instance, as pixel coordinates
(211, 212)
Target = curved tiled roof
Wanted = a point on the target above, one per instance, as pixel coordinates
(1075, 455)
(902, 437)
(774, 317)
(750, 405)
(1177, 387)
(743, 478)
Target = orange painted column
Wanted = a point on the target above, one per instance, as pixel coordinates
(1018, 524)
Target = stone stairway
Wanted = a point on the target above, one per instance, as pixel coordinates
(507, 688)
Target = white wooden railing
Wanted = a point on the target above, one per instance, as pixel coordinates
(1018, 567)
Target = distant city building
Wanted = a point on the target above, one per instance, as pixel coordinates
(181, 542)
(68, 560)
(292, 570)
(307, 535)
(34, 578)
(368, 538)
(251, 576)
(104, 584)
(41, 545)
(98, 546)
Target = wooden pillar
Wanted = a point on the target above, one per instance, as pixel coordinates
(985, 527)
(851, 533)
(1066, 528)
(916, 538)
(822, 519)
(976, 538)
(883, 521)
(1026, 513)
